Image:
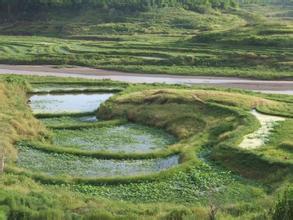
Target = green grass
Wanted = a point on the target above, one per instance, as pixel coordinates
(78, 122)
(209, 123)
(137, 107)
(70, 121)
(238, 42)
(204, 183)
(279, 146)
(61, 88)
(16, 120)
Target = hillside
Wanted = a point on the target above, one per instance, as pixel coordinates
(27, 7)
(253, 41)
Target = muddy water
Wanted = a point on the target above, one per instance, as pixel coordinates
(67, 103)
(260, 136)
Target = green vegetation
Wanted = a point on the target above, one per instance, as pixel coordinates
(9, 7)
(64, 121)
(16, 121)
(123, 138)
(203, 183)
(69, 165)
(282, 138)
(61, 88)
(284, 206)
(210, 126)
(252, 41)
(166, 152)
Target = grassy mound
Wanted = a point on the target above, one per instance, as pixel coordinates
(216, 114)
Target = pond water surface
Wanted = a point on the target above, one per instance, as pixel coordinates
(55, 164)
(67, 103)
(123, 138)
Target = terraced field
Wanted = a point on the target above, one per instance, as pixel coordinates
(95, 137)
(148, 145)
(78, 149)
(251, 43)
(170, 57)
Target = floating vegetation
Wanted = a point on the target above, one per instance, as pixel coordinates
(55, 164)
(67, 103)
(123, 138)
(201, 183)
(66, 120)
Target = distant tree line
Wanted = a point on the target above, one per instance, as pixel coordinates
(15, 6)
(28, 6)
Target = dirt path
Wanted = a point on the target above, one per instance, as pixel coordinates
(279, 87)
(259, 137)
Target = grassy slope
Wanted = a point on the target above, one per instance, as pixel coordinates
(18, 190)
(282, 138)
(167, 40)
(16, 121)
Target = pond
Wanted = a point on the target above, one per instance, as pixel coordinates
(124, 138)
(67, 103)
(55, 164)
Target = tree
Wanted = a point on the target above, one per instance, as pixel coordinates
(9, 6)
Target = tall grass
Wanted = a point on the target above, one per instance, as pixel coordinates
(16, 119)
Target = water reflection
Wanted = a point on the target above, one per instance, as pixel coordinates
(67, 103)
